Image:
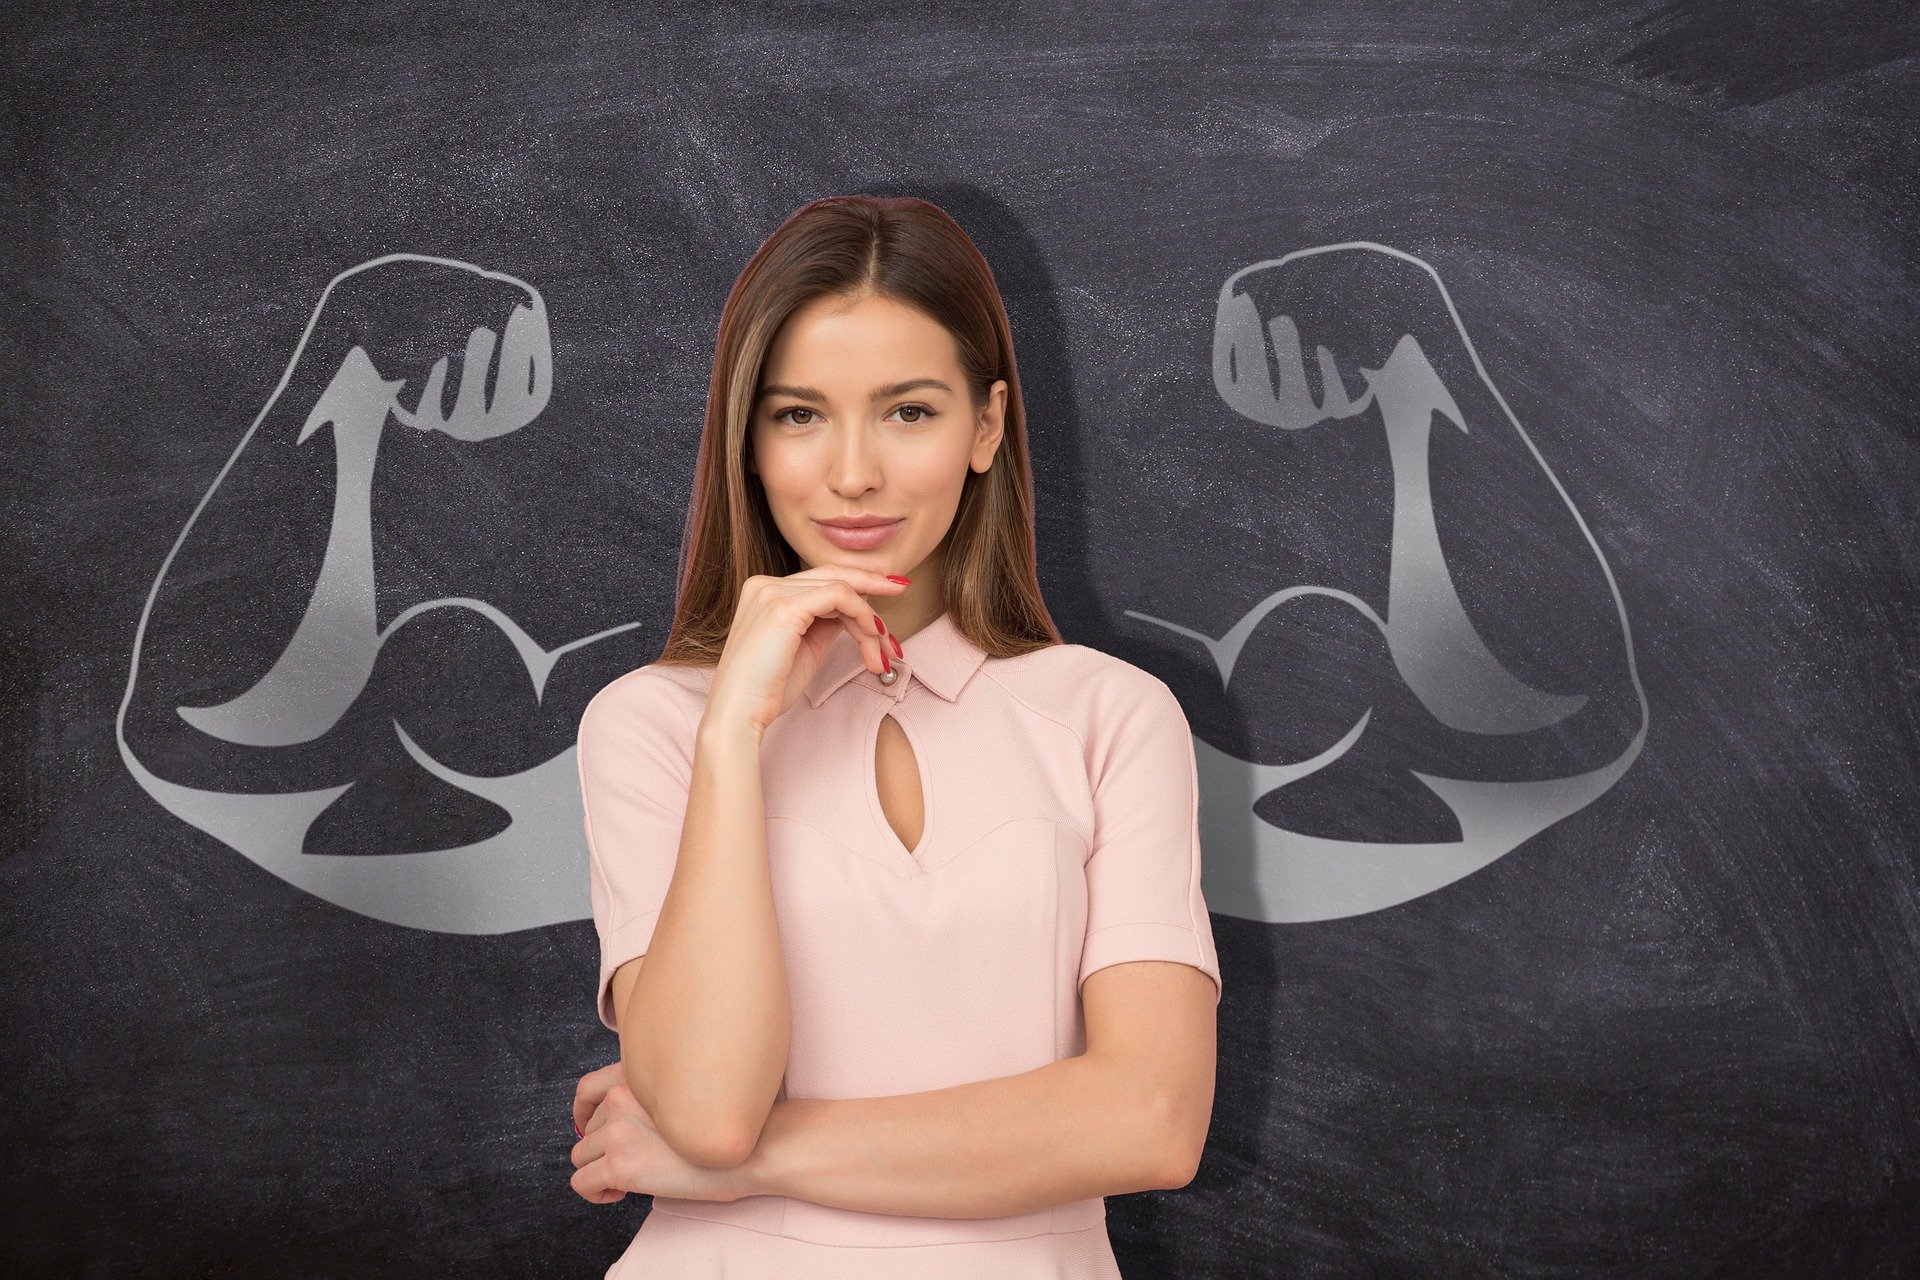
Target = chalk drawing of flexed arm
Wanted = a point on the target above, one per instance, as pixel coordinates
(373, 360)
(1416, 373)
(328, 659)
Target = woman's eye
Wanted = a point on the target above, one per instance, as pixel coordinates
(920, 412)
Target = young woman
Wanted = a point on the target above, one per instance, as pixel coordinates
(898, 896)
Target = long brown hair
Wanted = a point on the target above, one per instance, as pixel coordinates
(911, 251)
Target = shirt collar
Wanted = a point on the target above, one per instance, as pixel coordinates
(938, 655)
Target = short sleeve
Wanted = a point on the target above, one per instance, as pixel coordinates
(1143, 875)
(635, 752)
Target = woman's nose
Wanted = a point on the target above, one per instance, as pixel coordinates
(856, 462)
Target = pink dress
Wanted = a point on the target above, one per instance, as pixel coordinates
(1061, 836)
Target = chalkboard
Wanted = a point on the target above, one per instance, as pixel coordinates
(1495, 424)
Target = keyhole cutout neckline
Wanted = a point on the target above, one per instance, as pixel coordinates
(897, 780)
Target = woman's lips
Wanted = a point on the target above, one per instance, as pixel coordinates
(865, 539)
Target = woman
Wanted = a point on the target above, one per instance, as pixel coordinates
(898, 895)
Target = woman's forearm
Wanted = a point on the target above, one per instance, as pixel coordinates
(1071, 1130)
(704, 1031)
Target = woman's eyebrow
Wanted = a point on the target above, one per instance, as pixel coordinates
(897, 389)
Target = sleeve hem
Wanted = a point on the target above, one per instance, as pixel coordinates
(626, 941)
(1118, 943)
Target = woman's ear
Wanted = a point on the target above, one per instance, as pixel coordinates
(991, 428)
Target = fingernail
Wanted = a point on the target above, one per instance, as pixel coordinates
(897, 652)
(885, 666)
(577, 1131)
(894, 577)
(879, 624)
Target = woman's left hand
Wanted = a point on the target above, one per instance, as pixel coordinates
(623, 1151)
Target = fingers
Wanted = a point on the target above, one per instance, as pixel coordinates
(867, 628)
(592, 1090)
(590, 1148)
(839, 592)
(869, 581)
(866, 581)
(832, 598)
(593, 1179)
(617, 1105)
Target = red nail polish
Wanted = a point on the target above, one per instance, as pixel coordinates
(897, 652)
(879, 625)
(885, 666)
(577, 1131)
(894, 577)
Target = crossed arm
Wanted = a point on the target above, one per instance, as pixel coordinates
(1130, 1114)
(705, 1041)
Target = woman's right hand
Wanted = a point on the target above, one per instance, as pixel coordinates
(782, 629)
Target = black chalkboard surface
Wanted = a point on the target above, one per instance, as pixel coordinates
(1497, 426)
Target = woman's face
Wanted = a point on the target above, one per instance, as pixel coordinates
(863, 413)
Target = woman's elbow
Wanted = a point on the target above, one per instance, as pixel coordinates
(1182, 1143)
(722, 1144)
(1176, 1174)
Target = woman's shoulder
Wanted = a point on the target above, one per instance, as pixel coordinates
(1078, 660)
(1076, 683)
(671, 696)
